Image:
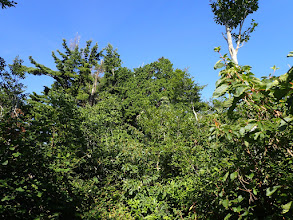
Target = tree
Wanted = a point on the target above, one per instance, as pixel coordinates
(148, 86)
(6, 3)
(256, 136)
(232, 14)
(111, 64)
(75, 71)
(11, 89)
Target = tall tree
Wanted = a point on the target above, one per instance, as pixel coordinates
(75, 68)
(151, 85)
(232, 14)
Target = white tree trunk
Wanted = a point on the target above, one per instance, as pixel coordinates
(233, 52)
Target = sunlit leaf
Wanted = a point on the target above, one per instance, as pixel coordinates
(219, 65)
(271, 190)
(221, 90)
(19, 189)
(234, 175)
(225, 203)
(286, 207)
(225, 177)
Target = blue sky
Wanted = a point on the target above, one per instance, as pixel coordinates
(143, 31)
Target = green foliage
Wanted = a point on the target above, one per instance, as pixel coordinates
(11, 89)
(140, 144)
(38, 158)
(75, 69)
(151, 85)
(258, 136)
(232, 12)
(290, 54)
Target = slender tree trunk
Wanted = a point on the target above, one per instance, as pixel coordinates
(232, 50)
(94, 88)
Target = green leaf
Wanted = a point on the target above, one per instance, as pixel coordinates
(96, 180)
(39, 194)
(250, 176)
(271, 190)
(225, 177)
(286, 207)
(217, 49)
(227, 216)
(271, 84)
(19, 189)
(6, 198)
(254, 191)
(256, 135)
(237, 209)
(225, 203)
(246, 213)
(5, 163)
(242, 131)
(221, 90)
(240, 198)
(234, 175)
(286, 120)
(35, 186)
(220, 81)
(250, 127)
(227, 103)
(290, 54)
(16, 154)
(219, 65)
(275, 68)
(240, 90)
(284, 77)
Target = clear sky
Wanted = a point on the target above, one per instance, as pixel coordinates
(143, 31)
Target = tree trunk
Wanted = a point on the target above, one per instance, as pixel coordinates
(232, 50)
(94, 88)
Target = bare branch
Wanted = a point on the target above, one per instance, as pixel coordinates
(224, 37)
(241, 45)
(239, 35)
(240, 32)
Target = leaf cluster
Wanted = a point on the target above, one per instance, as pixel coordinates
(232, 12)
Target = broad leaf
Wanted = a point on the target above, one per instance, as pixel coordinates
(219, 65)
(221, 90)
(286, 207)
(234, 175)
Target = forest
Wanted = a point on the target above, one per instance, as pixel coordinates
(109, 142)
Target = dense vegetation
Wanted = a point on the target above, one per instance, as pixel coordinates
(107, 142)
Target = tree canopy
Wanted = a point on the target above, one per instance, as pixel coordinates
(108, 142)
